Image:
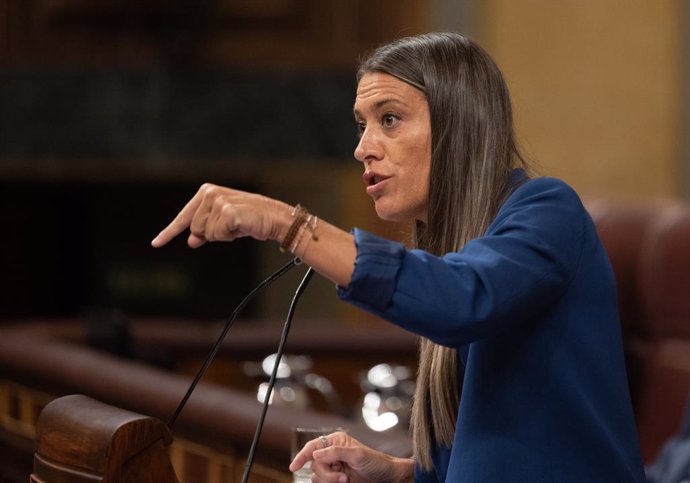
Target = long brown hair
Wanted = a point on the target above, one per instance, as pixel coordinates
(473, 152)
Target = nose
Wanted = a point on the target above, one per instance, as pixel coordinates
(369, 148)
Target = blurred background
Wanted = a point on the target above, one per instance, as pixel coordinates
(112, 113)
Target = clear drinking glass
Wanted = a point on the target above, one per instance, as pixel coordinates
(300, 437)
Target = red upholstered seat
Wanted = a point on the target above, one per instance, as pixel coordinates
(664, 294)
(622, 229)
(649, 249)
(664, 275)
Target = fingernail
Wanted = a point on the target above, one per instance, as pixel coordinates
(342, 479)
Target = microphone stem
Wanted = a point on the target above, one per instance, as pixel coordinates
(275, 276)
(274, 373)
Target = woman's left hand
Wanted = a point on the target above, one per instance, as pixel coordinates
(340, 458)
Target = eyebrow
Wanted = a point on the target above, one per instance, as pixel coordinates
(378, 105)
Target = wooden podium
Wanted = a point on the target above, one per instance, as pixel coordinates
(81, 440)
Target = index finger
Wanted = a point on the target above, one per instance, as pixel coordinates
(305, 454)
(179, 224)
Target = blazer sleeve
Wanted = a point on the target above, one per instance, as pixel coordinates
(518, 269)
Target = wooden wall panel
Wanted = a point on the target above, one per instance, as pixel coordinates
(597, 88)
(306, 33)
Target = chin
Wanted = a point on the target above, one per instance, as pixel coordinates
(388, 214)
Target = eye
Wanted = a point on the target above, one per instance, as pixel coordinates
(361, 126)
(389, 120)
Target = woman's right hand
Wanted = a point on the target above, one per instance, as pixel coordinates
(340, 458)
(217, 213)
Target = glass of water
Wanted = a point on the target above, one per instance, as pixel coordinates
(300, 437)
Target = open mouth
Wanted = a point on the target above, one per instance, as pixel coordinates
(371, 179)
(375, 183)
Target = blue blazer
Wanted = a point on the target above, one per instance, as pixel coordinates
(531, 308)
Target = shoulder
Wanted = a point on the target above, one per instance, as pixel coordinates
(548, 197)
(545, 188)
(545, 212)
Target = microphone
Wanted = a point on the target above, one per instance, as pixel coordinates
(279, 355)
(214, 350)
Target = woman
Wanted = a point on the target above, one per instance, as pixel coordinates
(521, 375)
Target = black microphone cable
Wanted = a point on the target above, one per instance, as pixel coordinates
(279, 355)
(275, 276)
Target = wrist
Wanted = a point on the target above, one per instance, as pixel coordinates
(303, 226)
(404, 470)
(282, 221)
